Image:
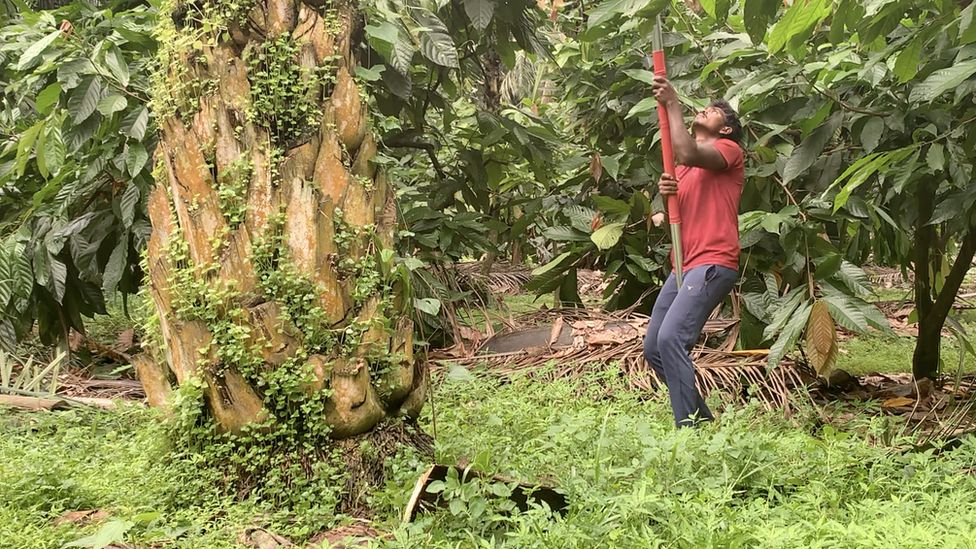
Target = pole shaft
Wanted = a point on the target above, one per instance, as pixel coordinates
(674, 214)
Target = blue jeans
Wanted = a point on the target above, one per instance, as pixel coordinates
(676, 323)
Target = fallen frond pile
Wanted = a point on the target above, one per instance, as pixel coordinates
(569, 342)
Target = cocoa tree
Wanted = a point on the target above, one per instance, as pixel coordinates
(75, 143)
(856, 117)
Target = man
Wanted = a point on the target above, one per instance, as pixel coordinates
(710, 175)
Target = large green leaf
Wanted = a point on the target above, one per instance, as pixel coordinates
(109, 534)
(23, 273)
(644, 106)
(25, 145)
(967, 28)
(32, 55)
(871, 133)
(642, 75)
(53, 154)
(479, 12)
(115, 61)
(756, 15)
(791, 333)
(605, 11)
(846, 312)
(854, 278)
(436, 43)
(906, 65)
(136, 158)
(607, 236)
(942, 81)
(809, 150)
(84, 99)
(59, 277)
(797, 23)
(539, 271)
(565, 234)
(609, 9)
(6, 279)
(128, 204)
(39, 155)
(48, 97)
(428, 305)
(784, 312)
(756, 304)
(864, 168)
(612, 206)
(382, 36)
(111, 104)
(935, 157)
(135, 122)
(717, 9)
(115, 267)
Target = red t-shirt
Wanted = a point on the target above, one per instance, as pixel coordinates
(709, 205)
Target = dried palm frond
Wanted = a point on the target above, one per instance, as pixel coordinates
(502, 278)
(942, 416)
(588, 339)
(591, 283)
(887, 277)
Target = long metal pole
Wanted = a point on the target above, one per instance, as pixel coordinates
(674, 216)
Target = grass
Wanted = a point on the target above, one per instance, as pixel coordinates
(115, 461)
(875, 352)
(753, 479)
(867, 354)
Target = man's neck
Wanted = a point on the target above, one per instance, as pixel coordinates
(703, 137)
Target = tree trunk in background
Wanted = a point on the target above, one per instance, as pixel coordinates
(933, 307)
(925, 359)
(270, 261)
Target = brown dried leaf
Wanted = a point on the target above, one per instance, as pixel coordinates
(557, 328)
(596, 167)
(259, 538)
(126, 340)
(821, 339)
(898, 402)
(81, 517)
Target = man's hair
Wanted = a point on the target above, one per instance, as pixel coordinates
(731, 120)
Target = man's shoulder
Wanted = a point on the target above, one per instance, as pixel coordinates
(732, 152)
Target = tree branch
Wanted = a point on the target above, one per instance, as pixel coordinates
(405, 142)
(844, 104)
(943, 303)
(924, 239)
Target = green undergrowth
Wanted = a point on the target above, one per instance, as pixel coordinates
(752, 479)
(889, 353)
(867, 354)
(117, 462)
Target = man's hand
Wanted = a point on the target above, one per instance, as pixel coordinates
(668, 185)
(664, 92)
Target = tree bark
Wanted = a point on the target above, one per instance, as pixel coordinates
(270, 260)
(933, 307)
(925, 360)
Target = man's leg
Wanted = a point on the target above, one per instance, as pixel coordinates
(703, 289)
(664, 299)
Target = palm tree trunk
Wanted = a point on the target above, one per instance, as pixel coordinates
(270, 261)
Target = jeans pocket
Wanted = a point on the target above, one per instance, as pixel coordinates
(699, 287)
(710, 272)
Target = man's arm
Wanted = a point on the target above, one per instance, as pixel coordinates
(687, 151)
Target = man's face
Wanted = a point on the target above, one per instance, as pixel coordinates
(711, 119)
